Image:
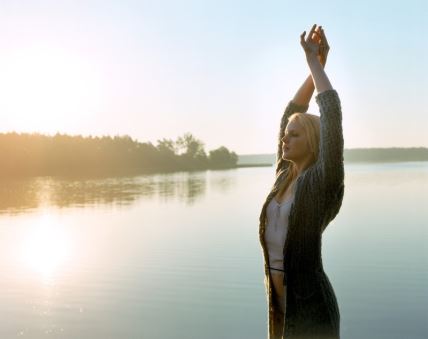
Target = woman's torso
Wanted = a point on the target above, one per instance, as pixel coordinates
(278, 212)
(282, 195)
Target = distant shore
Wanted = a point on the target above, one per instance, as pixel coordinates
(30, 155)
(355, 155)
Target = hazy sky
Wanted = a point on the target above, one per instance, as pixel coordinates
(221, 70)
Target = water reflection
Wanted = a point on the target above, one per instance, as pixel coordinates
(187, 187)
(46, 247)
(20, 195)
(102, 271)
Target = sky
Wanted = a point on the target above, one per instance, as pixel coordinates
(221, 70)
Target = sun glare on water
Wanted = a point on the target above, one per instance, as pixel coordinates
(46, 248)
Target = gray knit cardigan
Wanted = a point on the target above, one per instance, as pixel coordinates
(311, 306)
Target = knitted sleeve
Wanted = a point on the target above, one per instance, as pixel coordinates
(289, 110)
(330, 159)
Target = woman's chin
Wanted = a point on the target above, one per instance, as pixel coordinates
(285, 157)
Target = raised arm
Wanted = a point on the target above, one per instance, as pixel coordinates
(304, 94)
(330, 158)
(300, 102)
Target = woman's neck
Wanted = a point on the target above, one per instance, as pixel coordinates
(301, 166)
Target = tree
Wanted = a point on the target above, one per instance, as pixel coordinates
(167, 146)
(193, 148)
(222, 157)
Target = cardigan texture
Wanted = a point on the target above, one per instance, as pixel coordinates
(311, 305)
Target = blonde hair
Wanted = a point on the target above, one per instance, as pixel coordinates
(311, 128)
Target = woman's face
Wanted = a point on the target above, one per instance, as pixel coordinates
(295, 147)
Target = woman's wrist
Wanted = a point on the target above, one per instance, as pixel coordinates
(319, 76)
(313, 59)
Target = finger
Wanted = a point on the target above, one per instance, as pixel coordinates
(317, 32)
(312, 31)
(302, 38)
(324, 37)
(304, 45)
(316, 36)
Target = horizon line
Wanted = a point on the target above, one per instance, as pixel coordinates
(355, 148)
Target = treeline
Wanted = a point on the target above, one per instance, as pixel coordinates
(380, 155)
(24, 154)
(394, 154)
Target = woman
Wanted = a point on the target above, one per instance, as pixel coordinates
(306, 196)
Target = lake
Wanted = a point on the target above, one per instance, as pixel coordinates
(178, 255)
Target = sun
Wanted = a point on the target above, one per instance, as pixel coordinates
(46, 88)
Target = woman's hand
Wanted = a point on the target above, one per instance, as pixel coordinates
(324, 46)
(315, 45)
(316, 49)
(319, 44)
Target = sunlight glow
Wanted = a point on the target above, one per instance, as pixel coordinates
(46, 248)
(45, 85)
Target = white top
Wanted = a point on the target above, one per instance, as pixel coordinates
(276, 230)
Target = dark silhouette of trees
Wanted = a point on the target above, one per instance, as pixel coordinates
(61, 154)
(167, 146)
(222, 158)
(193, 151)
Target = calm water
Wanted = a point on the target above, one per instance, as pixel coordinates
(177, 255)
